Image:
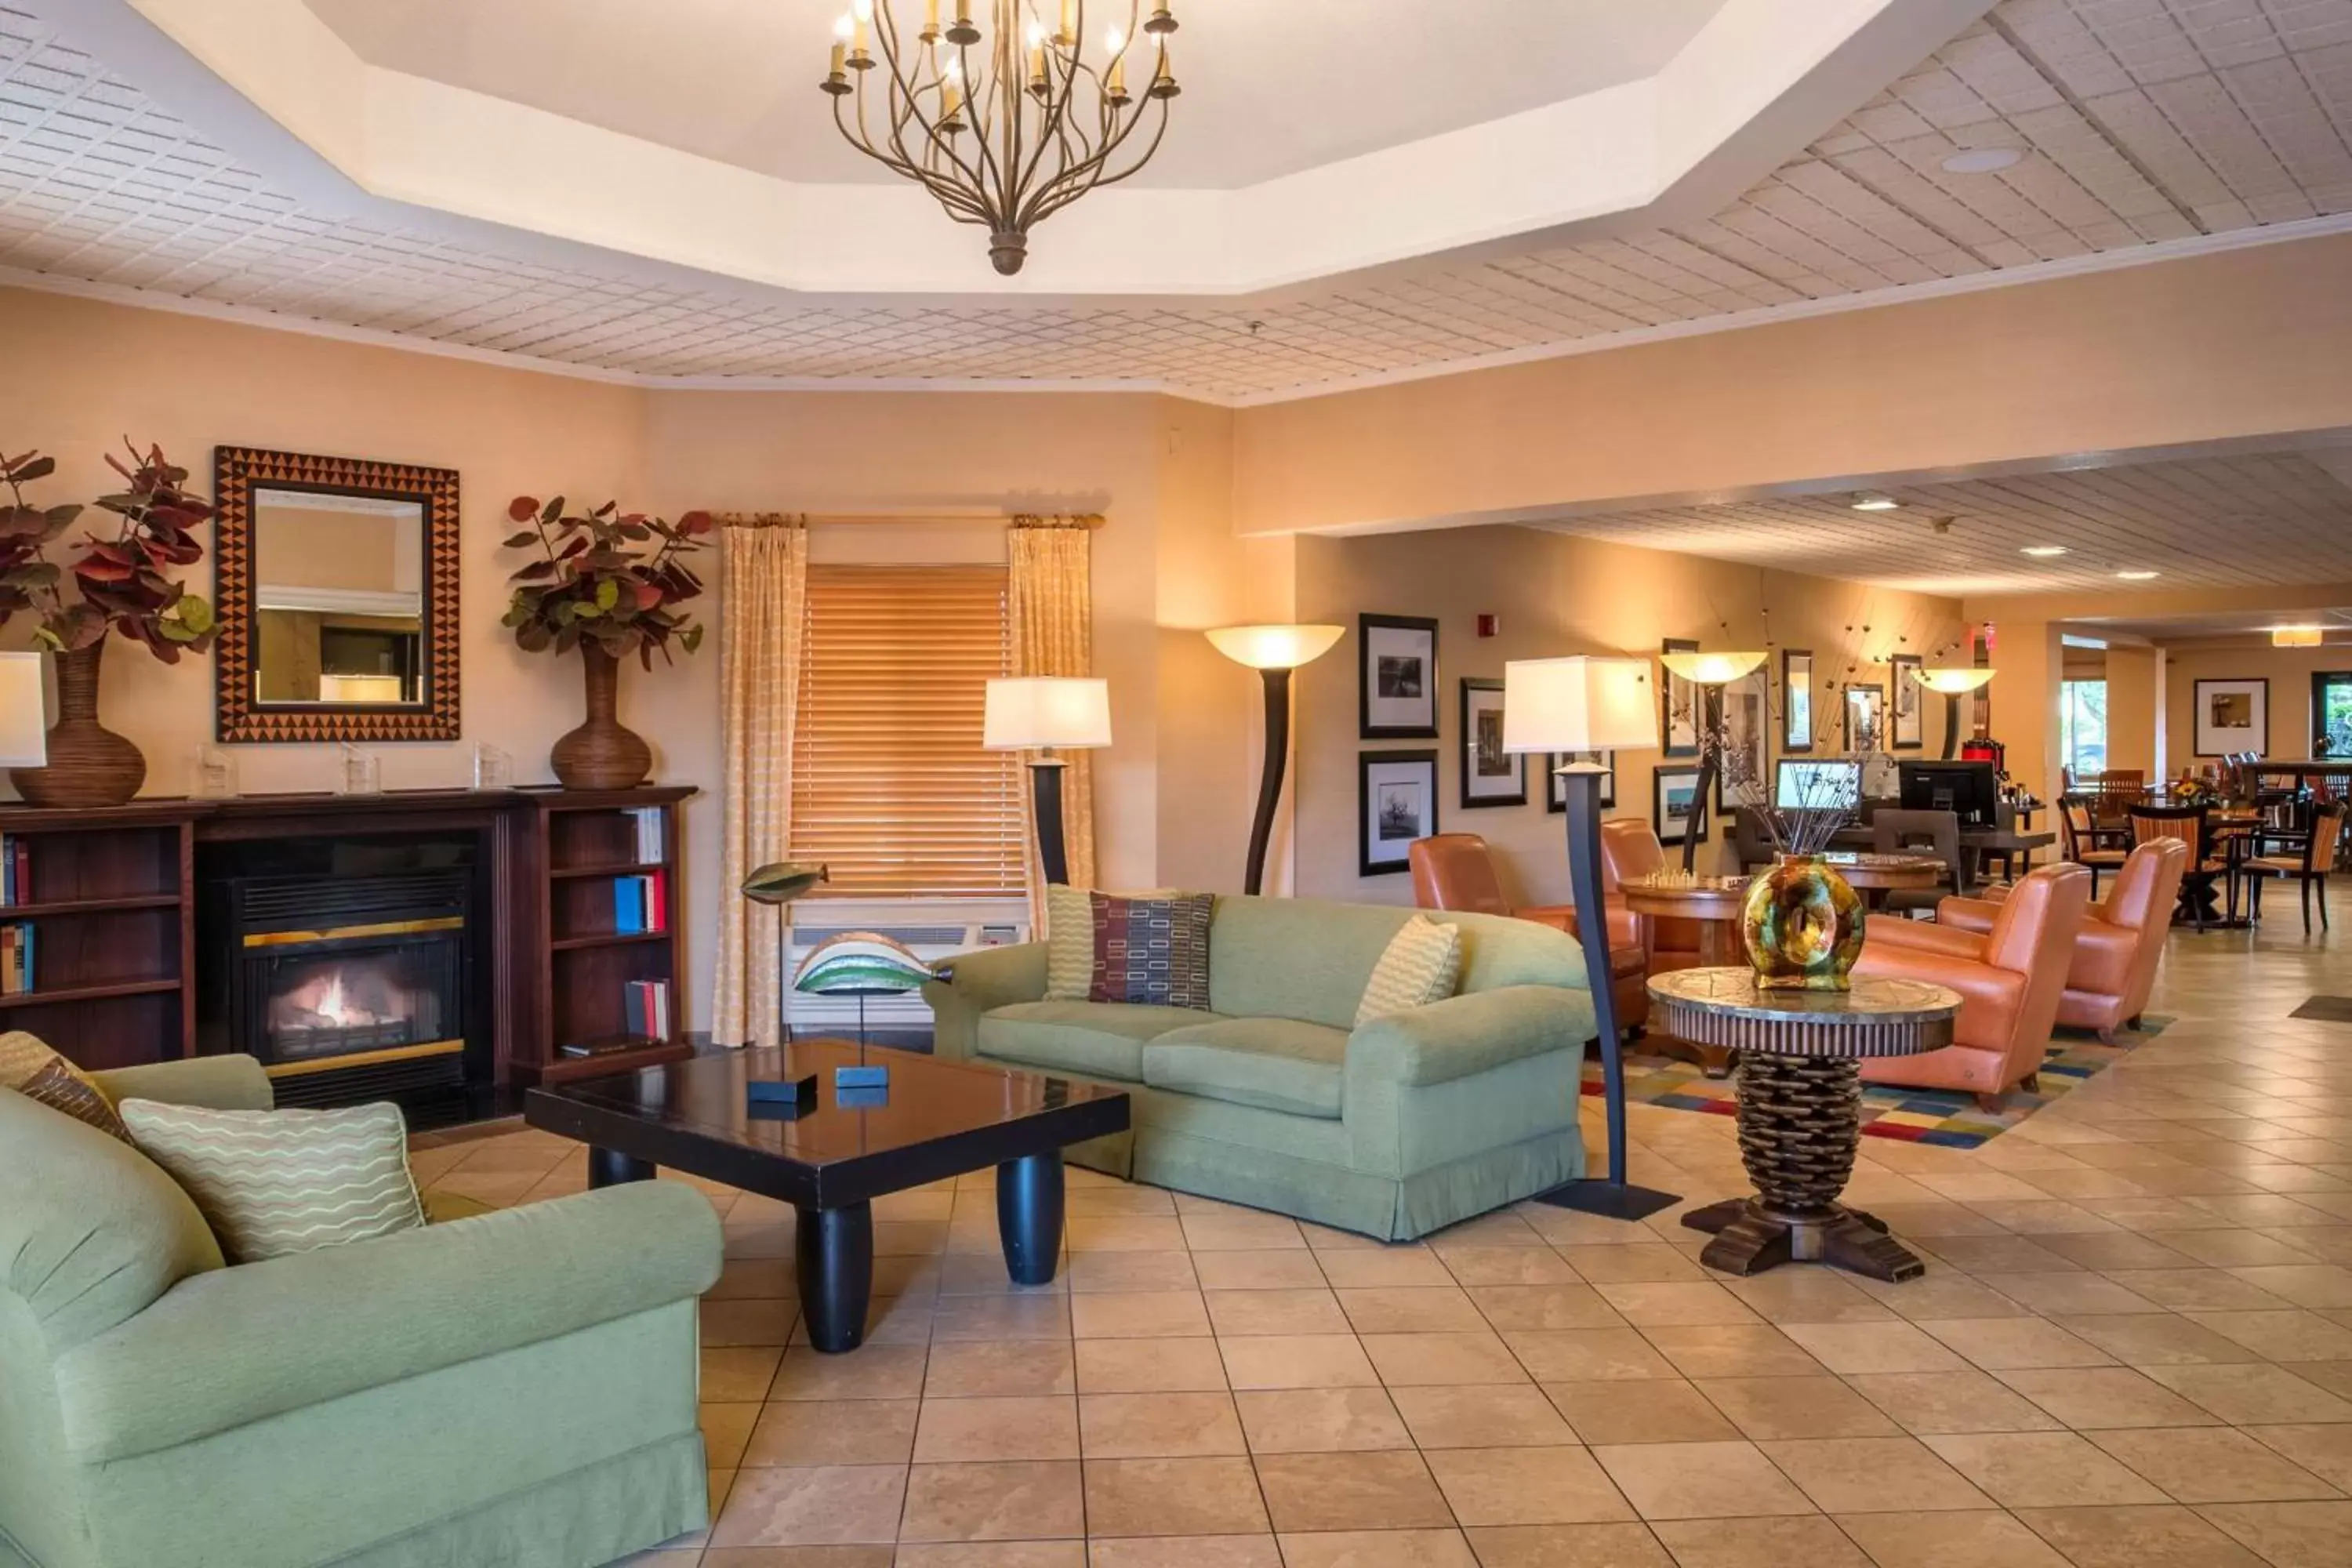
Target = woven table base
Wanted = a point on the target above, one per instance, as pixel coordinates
(1799, 1122)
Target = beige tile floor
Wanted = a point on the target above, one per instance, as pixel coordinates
(2133, 1348)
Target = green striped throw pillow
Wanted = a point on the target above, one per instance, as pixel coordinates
(275, 1182)
(1420, 964)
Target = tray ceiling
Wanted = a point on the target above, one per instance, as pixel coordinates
(2143, 126)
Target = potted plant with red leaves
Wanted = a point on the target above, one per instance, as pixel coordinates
(119, 582)
(609, 583)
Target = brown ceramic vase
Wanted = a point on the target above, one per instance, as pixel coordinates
(602, 754)
(89, 764)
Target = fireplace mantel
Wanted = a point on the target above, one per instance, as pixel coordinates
(119, 882)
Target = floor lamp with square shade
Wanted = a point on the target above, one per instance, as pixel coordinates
(1952, 682)
(1710, 673)
(24, 716)
(1045, 715)
(1575, 705)
(1274, 651)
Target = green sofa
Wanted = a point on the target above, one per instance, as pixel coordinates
(516, 1389)
(1271, 1099)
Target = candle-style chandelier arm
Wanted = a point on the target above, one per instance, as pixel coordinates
(901, 108)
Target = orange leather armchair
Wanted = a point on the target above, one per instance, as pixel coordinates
(2119, 946)
(2009, 979)
(1630, 849)
(1457, 871)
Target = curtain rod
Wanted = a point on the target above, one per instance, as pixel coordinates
(763, 519)
(1088, 520)
(1083, 519)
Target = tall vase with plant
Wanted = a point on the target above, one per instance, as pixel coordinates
(120, 582)
(1802, 922)
(609, 583)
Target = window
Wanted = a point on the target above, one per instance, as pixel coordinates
(2331, 709)
(2083, 727)
(890, 787)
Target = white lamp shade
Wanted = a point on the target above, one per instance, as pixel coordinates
(1953, 680)
(1274, 648)
(1712, 668)
(1579, 704)
(1030, 711)
(24, 716)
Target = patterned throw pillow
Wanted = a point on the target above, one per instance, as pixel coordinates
(1069, 943)
(1154, 951)
(275, 1182)
(1420, 964)
(37, 1072)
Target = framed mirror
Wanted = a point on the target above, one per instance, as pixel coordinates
(336, 589)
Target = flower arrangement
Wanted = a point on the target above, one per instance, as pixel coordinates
(607, 579)
(121, 580)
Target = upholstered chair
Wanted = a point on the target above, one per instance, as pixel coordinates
(2009, 979)
(1457, 871)
(1630, 849)
(2310, 862)
(2118, 948)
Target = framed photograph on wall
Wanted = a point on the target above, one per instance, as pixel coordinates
(1397, 685)
(1796, 699)
(1490, 775)
(1556, 788)
(1744, 771)
(1675, 810)
(1396, 802)
(1677, 704)
(2232, 716)
(1865, 717)
(1910, 710)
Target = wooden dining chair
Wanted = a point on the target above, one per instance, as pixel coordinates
(2309, 863)
(1936, 833)
(2190, 825)
(2080, 839)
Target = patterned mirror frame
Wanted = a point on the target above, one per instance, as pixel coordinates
(238, 471)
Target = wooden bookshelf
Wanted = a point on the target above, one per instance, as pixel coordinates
(581, 842)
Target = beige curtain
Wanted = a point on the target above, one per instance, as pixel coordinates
(762, 617)
(1051, 609)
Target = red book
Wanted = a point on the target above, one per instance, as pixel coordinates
(657, 901)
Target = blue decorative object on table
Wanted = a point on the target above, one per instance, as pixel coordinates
(782, 1091)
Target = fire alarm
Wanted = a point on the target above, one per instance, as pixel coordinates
(1489, 625)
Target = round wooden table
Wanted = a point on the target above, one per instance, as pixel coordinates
(1800, 1110)
(1715, 905)
(1866, 872)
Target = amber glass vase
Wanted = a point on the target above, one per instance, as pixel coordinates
(1803, 926)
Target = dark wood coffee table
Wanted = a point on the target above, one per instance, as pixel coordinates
(939, 1118)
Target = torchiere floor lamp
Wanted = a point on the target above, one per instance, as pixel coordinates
(1710, 673)
(1046, 714)
(1952, 682)
(1574, 705)
(1274, 652)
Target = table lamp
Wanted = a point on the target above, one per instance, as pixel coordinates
(1046, 714)
(1953, 682)
(1710, 672)
(1573, 705)
(24, 717)
(1274, 652)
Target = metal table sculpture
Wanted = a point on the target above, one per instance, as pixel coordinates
(1800, 1110)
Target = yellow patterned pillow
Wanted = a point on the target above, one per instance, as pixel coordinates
(275, 1182)
(1420, 964)
(37, 1072)
(1070, 939)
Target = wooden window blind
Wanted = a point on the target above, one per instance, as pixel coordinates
(890, 787)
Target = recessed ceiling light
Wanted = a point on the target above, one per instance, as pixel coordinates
(2044, 549)
(2135, 576)
(1870, 500)
(1983, 161)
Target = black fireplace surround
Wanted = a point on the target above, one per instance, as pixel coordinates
(349, 967)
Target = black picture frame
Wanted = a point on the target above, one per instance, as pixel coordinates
(1556, 788)
(1677, 695)
(1862, 739)
(1397, 640)
(1416, 768)
(1796, 717)
(2201, 730)
(1746, 705)
(1660, 780)
(1481, 745)
(1907, 718)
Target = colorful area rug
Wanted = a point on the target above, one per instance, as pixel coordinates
(1914, 1115)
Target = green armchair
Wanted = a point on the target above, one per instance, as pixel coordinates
(517, 1388)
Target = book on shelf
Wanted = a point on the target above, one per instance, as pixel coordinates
(645, 1008)
(648, 820)
(17, 944)
(640, 903)
(16, 869)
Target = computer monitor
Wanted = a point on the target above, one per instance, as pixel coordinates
(1969, 788)
(1833, 784)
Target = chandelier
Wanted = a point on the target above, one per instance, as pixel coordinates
(1008, 127)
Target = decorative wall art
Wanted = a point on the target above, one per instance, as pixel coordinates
(1556, 787)
(1743, 771)
(1490, 775)
(1865, 719)
(1907, 698)
(1675, 810)
(1678, 711)
(1396, 802)
(1397, 685)
(2232, 716)
(1796, 699)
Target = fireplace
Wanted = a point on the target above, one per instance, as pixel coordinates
(351, 977)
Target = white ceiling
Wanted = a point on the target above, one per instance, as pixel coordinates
(2208, 522)
(1269, 89)
(2144, 122)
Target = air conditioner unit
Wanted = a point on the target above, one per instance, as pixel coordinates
(931, 941)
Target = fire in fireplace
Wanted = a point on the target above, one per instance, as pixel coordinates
(355, 1002)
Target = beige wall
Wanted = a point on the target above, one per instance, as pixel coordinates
(1557, 594)
(2288, 669)
(2247, 343)
(2135, 709)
